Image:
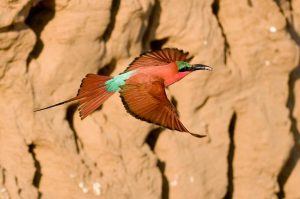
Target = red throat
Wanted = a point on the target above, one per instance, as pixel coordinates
(176, 77)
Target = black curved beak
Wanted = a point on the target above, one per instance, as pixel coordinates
(201, 67)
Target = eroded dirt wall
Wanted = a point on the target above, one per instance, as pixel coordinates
(249, 106)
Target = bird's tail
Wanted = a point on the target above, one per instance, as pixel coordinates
(91, 95)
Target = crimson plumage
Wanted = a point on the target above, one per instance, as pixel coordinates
(142, 88)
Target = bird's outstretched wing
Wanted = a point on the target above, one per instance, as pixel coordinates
(148, 101)
(158, 58)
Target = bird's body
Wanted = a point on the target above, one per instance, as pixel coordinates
(169, 73)
(141, 86)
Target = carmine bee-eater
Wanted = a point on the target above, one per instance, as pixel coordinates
(141, 87)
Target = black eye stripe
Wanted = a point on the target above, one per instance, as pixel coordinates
(186, 69)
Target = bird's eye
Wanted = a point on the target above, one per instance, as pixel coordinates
(184, 69)
(181, 70)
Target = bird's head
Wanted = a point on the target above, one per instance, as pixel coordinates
(185, 67)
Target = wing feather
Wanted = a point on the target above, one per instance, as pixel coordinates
(148, 102)
(158, 58)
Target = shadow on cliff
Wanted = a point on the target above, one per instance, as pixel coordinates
(294, 155)
(39, 16)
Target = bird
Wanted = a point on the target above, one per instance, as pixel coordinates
(141, 87)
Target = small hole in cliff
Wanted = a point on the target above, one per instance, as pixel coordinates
(215, 7)
(108, 69)
(153, 136)
(3, 170)
(39, 16)
(18, 186)
(249, 2)
(158, 44)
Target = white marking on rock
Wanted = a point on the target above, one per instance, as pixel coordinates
(97, 188)
(273, 29)
(174, 183)
(83, 187)
(2, 190)
(192, 179)
(72, 175)
(267, 62)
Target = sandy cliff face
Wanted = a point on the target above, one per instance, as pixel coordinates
(249, 105)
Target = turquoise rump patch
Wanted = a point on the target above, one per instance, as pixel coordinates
(113, 85)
